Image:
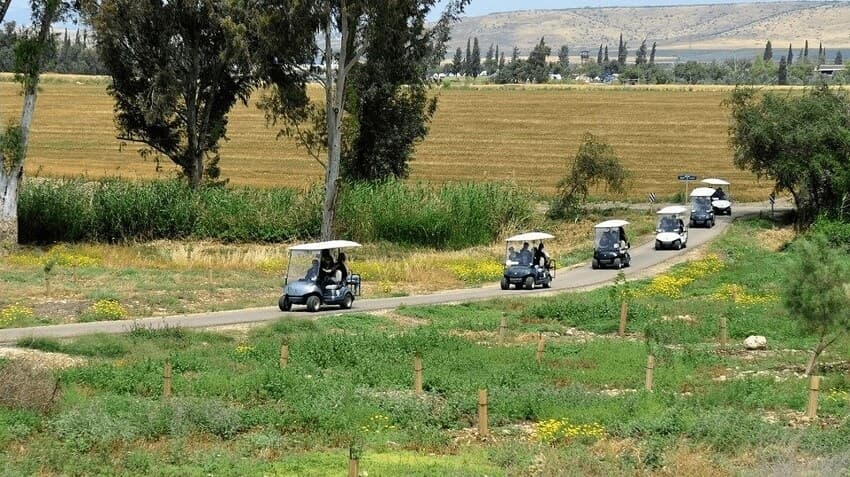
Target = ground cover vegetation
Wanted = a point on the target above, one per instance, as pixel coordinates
(63, 283)
(348, 383)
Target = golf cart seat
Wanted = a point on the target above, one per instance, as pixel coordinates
(337, 281)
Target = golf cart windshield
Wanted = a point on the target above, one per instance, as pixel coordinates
(607, 238)
(304, 265)
(669, 223)
(701, 204)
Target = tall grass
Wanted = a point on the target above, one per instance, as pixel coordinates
(115, 210)
(454, 215)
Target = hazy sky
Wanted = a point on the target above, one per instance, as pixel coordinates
(19, 9)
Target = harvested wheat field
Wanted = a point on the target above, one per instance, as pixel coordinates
(520, 133)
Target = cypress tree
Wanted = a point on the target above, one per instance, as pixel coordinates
(782, 72)
(806, 51)
(768, 52)
(475, 59)
(652, 54)
(457, 63)
(606, 60)
(838, 59)
(599, 55)
(790, 55)
(467, 64)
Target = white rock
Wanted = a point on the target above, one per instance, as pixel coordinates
(755, 342)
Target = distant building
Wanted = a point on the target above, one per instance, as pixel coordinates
(829, 70)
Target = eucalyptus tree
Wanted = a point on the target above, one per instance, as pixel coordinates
(30, 53)
(177, 69)
(390, 41)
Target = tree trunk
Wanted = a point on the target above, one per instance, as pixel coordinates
(334, 95)
(9, 210)
(810, 366)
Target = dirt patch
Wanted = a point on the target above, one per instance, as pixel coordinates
(62, 310)
(41, 359)
(775, 239)
(401, 320)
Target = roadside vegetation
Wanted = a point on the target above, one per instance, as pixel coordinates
(62, 283)
(348, 384)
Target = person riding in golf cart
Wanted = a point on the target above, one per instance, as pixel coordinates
(326, 281)
(702, 212)
(671, 231)
(527, 268)
(721, 201)
(611, 245)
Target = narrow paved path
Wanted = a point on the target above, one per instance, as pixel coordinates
(646, 261)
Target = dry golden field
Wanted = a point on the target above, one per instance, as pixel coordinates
(525, 134)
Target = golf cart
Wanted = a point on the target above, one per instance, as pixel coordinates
(610, 245)
(323, 283)
(721, 201)
(525, 268)
(671, 231)
(702, 213)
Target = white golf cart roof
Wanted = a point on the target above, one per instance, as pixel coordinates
(716, 182)
(673, 210)
(702, 192)
(318, 246)
(529, 236)
(610, 224)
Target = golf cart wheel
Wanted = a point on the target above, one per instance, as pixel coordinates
(712, 223)
(547, 283)
(618, 263)
(529, 283)
(657, 245)
(505, 284)
(313, 303)
(594, 264)
(677, 245)
(284, 304)
(347, 301)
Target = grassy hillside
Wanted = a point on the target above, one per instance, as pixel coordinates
(524, 134)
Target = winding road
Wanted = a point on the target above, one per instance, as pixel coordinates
(646, 261)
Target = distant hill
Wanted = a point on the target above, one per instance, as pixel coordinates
(694, 31)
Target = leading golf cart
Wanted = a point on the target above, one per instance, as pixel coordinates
(721, 201)
(610, 245)
(527, 268)
(325, 281)
(702, 213)
(671, 231)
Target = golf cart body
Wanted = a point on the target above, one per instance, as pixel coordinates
(671, 232)
(610, 245)
(317, 287)
(520, 268)
(721, 201)
(702, 212)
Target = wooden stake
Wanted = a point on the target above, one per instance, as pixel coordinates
(166, 380)
(541, 348)
(724, 333)
(417, 374)
(650, 369)
(483, 429)
(624, 313)
(353, 463)
(814, 388)
(502, 325)
(284, 355)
